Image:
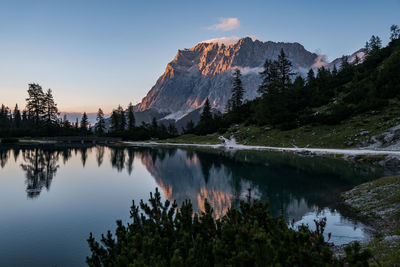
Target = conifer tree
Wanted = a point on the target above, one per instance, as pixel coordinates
(84, 123)
(17, 117)
(394, 32)
(114, 121)
(334, 71)
(285, 71)
(122, 118)
(50, 108)
(34, 102)
(374, 44)
(206, 115)
(276, 80)
(131, 117)
(237, 91)
(100, 123)
(172, 131)
(311, 76)
(154, 127)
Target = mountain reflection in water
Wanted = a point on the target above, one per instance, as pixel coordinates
(292, 184)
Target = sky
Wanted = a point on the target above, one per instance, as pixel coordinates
(95, 53)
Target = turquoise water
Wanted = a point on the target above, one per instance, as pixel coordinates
(52, 196)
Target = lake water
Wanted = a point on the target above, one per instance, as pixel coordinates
(52, 197)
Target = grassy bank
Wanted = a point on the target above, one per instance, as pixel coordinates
(351, 133)
(211, 139)
(378, 203)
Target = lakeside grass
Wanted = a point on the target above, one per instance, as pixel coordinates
(378, 203)
(211, 139)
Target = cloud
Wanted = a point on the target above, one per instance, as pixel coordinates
(228, 40)
(248, 70)
(319, 62)
(226, 24)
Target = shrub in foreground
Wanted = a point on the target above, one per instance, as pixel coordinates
(162, 235)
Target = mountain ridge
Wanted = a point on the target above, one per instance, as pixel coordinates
(203, 71)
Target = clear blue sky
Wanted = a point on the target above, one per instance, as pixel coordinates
(95, 53)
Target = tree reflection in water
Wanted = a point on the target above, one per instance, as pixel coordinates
(40, 167)
(3, 157)
(99, 155)
(118, 158)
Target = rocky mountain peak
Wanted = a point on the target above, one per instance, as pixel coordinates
(204, 71)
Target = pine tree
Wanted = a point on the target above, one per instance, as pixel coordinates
(311, 76)
(206, 115)
(269, 77)
(50, 108)
(76, 123)
(4, 120)
(84, 123)
(334, 71)
(100, 123)
(237, 91)
(172, 131)
(114, 121)
(394, 32)
(17, 117)
(24, 117)
(122, 118)
(285, 71)
(374, 44)
(131, 118)
(276, 80)
(154, 127)
(34, 103)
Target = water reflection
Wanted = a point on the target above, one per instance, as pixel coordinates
(293, 185)
(95, 185)
(40, 167)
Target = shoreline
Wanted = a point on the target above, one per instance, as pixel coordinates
(315, 151)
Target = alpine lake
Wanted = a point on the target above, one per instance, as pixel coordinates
(53, 196)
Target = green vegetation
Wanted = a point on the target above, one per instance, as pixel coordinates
(378, 202)
(352, 132)
(162, 235)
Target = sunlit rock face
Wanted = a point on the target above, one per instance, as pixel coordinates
(205, 71)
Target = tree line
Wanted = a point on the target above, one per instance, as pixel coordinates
(40, 117)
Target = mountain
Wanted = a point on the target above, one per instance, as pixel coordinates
(205, 71)
(350, 58)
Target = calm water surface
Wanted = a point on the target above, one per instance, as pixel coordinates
(52, 196)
